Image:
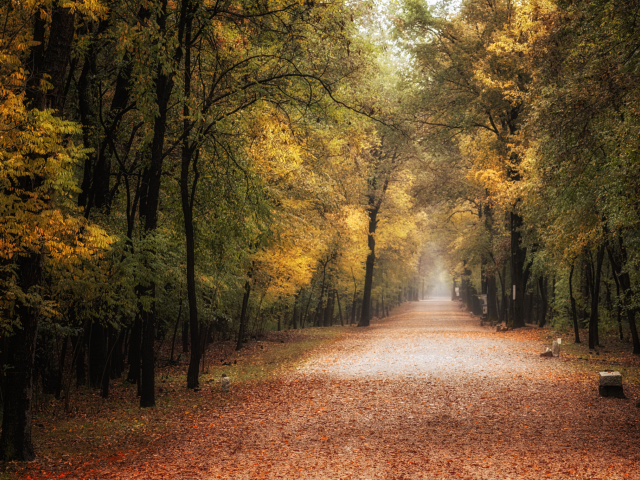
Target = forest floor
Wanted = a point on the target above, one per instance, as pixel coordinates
(426, 393)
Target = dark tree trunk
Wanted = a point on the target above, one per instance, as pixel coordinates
(542, 286)
(105, 376)
(306, 310)
(147, 357)
(185, 336)
(294, 316)
(492, 292)
(187, 195)
(243, 314)
(328, 312)
(595, 299)
(619, 299)
(134, 352)
(574, 313)
(79, 345)
(518, 271)
(61, 363)
(586, 286)
(505, 295)
(365, 316)
(97, 354)
(354, 300)
(339, 309)
(175, 332)
(117, 357)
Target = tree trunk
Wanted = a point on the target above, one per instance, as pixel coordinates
(175, 331)
(243, 314)
(306, 310)
(187, 198)
(134, 352)
(185, 336)
(595, 299)
(147, 375)
(339, 309)
(617, 282)
(365, 315)
(97, 354)
(79, 344)
(518, 272)
(574, 313)
(355, 300)
(105, 374)
(294, 316)
(61, 363)
(328, 312)
(542, 286)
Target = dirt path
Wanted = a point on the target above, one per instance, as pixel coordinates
(425, 394)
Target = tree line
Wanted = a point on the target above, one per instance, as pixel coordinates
(527, 112)
(189, 171)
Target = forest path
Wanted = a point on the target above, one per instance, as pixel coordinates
(426, 393)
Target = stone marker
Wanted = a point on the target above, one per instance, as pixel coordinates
(555, 348)
(611, 384)
(225, 383)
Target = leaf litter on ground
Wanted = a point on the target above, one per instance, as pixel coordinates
(426, 393)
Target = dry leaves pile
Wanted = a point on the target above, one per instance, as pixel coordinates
(425, 394)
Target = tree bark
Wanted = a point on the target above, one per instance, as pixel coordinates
(175, 331)
(365, 314)
(542, 286)
(294, 316)
(187, 198)
(185, 336)
(135, 344)
(617, 282)
(243, 313)
(574, 313)
(518, 271)
(328, 312)
(595, 299)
